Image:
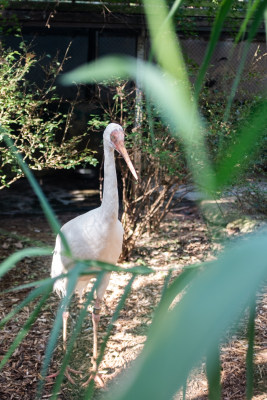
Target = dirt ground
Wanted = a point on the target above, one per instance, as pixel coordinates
(182, 240)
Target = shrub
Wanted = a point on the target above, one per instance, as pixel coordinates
(35, 118)
(221, 132)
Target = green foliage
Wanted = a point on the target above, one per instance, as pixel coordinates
(224, 135)
(34, 118)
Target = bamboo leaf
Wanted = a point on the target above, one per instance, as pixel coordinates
(71, 283)
(137, 270)
(250, 350)
(11, 261)
(169, 98)
(176, 4)
(176, 287)
(213, 368)
(89, 391)
(215, 299)
(32, 296)
(41, 282)
(84, 311)
(165, 44)
(242, 147)
(257, 8)
(215, 34)
(248, 17)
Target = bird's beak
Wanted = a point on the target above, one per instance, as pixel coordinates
(122, 150)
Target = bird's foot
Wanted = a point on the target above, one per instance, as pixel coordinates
(67, 372)
(97, 378)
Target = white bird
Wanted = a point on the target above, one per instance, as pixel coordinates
(95, 235)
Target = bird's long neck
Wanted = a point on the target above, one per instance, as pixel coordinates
(110, 201)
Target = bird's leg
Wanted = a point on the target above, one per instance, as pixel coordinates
(65, 317)
(95, 319)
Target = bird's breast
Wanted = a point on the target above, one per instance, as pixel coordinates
(94, 238)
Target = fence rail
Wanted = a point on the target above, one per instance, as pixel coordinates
(188, 8)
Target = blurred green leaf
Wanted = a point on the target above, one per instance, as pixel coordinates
(174, 8)
(255, 9)
(89, 391)
(94, 266)
(255, 12)
(213, 301)
(242, 148)
(11, 261)
(213, 371)
(165, 43)
(37, 190)
(74, 274)
(176, 287)
(83, 313)
(32, 296)
(40, 283)
(171, 99)
(250, 351)
(224, 9)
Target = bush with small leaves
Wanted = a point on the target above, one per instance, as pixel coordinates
(35, 118)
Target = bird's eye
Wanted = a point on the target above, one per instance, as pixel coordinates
(113, 137)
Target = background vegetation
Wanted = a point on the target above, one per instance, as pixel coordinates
(38, 121)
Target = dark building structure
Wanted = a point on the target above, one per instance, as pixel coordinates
(91, 29)
(85, 30)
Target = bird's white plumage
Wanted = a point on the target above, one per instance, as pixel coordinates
(95, 235)
(88, 240)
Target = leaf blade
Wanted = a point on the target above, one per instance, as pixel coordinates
(213, 301)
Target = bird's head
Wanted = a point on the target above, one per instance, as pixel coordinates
(114, 137)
